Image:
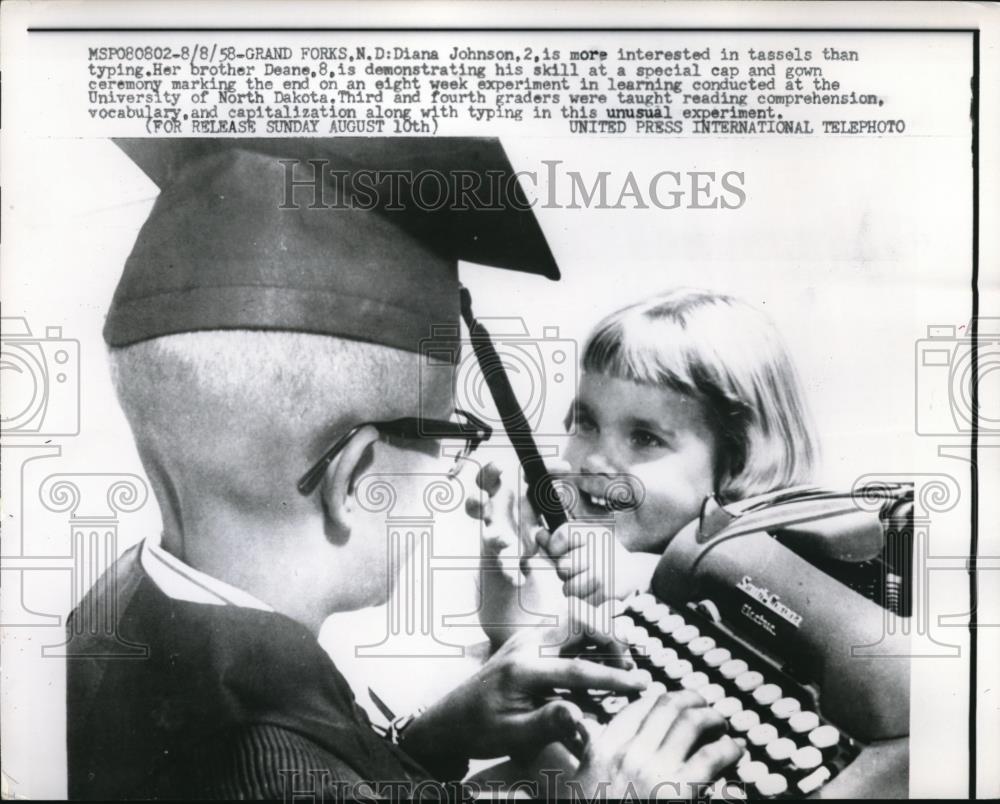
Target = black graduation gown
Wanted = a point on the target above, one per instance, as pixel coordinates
(231, 702)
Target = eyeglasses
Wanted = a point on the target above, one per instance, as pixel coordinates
(473, 431)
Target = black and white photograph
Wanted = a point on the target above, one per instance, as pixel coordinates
(494, 401)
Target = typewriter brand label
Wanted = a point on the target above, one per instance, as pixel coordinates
(769, 599)
(755, 617)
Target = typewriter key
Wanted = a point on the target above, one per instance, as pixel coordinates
(685, 634)
(717, 657)
(701, 645)
(620, 626)
(743, 721)
(653, 645)
(781, 750)
(814, 781)
(784, 708)
(733, 668)
(824, 737)
(761, 735)
(677, 669)
(636, 635)
(694, 681)
(749, 681)
(766, 694)
(728, 707)
(750, 772)
(663, 657)
(807, 758)
(642, 645)
(670, 623)
(774, 784)
(803, 722)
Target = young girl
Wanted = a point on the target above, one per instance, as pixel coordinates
(686, 394)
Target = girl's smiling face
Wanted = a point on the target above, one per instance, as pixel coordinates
(660, 438)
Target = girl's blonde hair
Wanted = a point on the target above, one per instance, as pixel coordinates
(729, 356)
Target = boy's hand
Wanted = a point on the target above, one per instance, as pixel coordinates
(508, 706)
(628, 572)
(656, 748)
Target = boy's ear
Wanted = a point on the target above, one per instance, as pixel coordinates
(338, 485)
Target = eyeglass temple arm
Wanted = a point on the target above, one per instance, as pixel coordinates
(541, 491)
(415, 427)
(308, 482)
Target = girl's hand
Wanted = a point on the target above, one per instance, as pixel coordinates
(574, 561)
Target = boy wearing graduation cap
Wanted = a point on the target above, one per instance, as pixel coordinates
(265, 345)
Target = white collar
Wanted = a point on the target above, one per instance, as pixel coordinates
(179, 581)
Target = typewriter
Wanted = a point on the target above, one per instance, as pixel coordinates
(786, 615)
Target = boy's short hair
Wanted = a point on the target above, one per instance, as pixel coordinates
(211, 400)
(730, 357)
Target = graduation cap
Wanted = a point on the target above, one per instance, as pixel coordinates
(353, 237)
